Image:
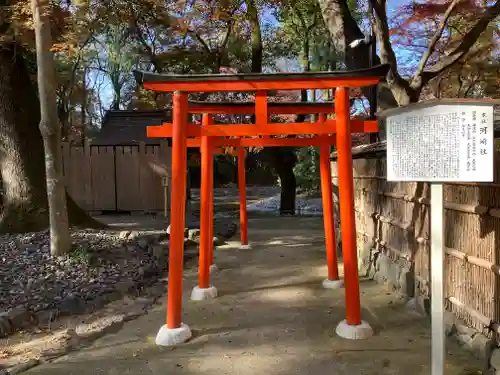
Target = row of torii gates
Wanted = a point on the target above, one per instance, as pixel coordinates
(209, 137)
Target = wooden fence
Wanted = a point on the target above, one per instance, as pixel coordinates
(117, 178)
(393, 219)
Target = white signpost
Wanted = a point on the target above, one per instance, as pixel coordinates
(440, 141)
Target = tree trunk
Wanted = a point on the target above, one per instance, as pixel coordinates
(24, 205)
(257, 47)
(50, 128)
(281, 159)
(21, 148)
(63, 115)
(344, 30)
(83, 113)
(284, 161)
(189, 216)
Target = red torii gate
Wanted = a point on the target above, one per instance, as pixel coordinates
(208, 136)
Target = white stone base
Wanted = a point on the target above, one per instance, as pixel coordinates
(173, 336)
(245, 247)
(359, 332)
(199, 294)
(333, 284)
(213, 269)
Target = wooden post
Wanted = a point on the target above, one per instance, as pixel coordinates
(142, 188)
(243, 197)
(177, 210)
(165, 159)
(332, 282)
(205, 219)
(347, 219)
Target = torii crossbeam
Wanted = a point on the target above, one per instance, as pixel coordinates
(208, 136)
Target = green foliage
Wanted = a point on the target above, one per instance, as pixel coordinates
(82, 255)
(116, 57)
(307, 168)
(225, 168)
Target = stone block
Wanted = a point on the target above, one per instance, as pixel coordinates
(189, 243)
(194, 234)
(450, 328)
(376, 260)
(379, 277)
(365, 258)
(133, 235)
(21, 318)
(218, 241)
(393, 273)
(407, 282)
(420, 305)
(463, 330)
(482, 347)
(495, 359)
(22, 367)
(185, 231)
(383, 264)
(72, 305)
(5, 326)
(426, 305)
(143, 243)
(45, 317)
(371, 272)
(159, 251)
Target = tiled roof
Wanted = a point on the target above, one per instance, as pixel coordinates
(129, 127)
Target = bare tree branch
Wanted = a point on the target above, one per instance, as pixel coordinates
(198, 37)
(343, 30)
(437, 35)
(298, 13)
(381, 28)
(387, 55)
(222, 48)
(468, 41)
(314, 23)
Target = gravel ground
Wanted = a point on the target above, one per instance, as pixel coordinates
(304, 205)
(32, 279)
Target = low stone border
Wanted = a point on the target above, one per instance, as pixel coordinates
(482, 347)
(495, 361)
(17, 319)
(400, 277)
(156, 244)
(83, 335)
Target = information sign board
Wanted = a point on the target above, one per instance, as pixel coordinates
(439, 143)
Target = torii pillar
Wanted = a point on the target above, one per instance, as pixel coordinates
(333, 280)
(352, 327)
(242, 186)
(204, 290)
(175, 331)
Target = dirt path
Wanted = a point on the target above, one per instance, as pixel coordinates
(272, 317)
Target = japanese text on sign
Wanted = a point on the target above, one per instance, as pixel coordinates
(441, 143)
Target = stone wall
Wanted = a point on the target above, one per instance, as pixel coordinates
(393, 235)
